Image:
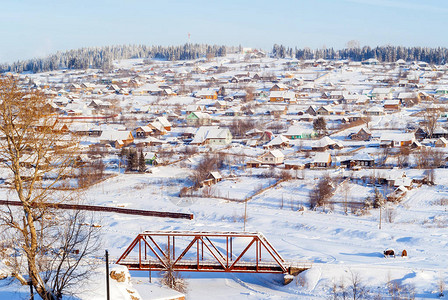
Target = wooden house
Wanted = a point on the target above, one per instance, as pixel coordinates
(374, 111)
(278, 87)
(143, 132)
(294, 165)
(420, 134)
(359, 160)
(392, 104)
(254, 163)
(441, 142)
(207, 94)
(116, 138)
(282, 96)
(212, 135)
(212, 178)
(165, 123)
(278, 142)
(320, 160)
(324, 111)
(397, 139)
(364, 134)
(273, 157)
(382, 93)
(312, 110)
(198, 119)
(326, 143)
(298, 132)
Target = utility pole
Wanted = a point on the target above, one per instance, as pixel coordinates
(245, 214)
(282, 202)
(380, 214)
(107, 276)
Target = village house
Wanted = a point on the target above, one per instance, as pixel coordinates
(165, 123)
(382, 93)
(253, 163)
(198, 119)
(194, 107)
(326, 143)
(439, 132)
(219, 104)
(273, 157)
(441, 142)
(278, 142)
(115, 138)
(325, 111)
(320, 160)
(374, 111)
(311, 110)
(364, 134)
(207, 94)
(338, 95)
(299, 132)
(212, 178)
(278, 87)
(409, 98)
(277, 110)
(143, 131)
(388, 139)
(282, 96)
(420, 134)
(359, 160)
(294, 165)
(356, 99)
(157, 128)
(392, 104)
(233, 112)
(212, 135)
(98, 104)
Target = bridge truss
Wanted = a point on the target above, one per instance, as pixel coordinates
(243, 252)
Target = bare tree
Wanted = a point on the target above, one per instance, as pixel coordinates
(38, 156)
(352, 44)
(367, 120)
(441, 286)
(208, 164)
(170, 277)
(358, 290)
(322, 192)
(403, 157)
(422, 158)
(430, 120)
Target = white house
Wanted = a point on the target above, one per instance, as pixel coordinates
(274, 157)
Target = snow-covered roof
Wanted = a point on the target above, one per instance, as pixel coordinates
(276, 153)
(113, 135)
(322, 157)
(398, 137)
(323, 142)
(278, 140)
(210, 132)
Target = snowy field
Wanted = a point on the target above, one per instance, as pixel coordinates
(337, 244)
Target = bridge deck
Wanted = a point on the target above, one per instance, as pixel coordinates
(212, 266)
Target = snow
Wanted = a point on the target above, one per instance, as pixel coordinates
(337, 242)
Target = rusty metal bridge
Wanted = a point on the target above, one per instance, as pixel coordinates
(242, 252)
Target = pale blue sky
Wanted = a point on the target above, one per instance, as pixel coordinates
(36, 28)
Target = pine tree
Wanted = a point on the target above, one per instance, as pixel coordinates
(141, 162)
(132, 160)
